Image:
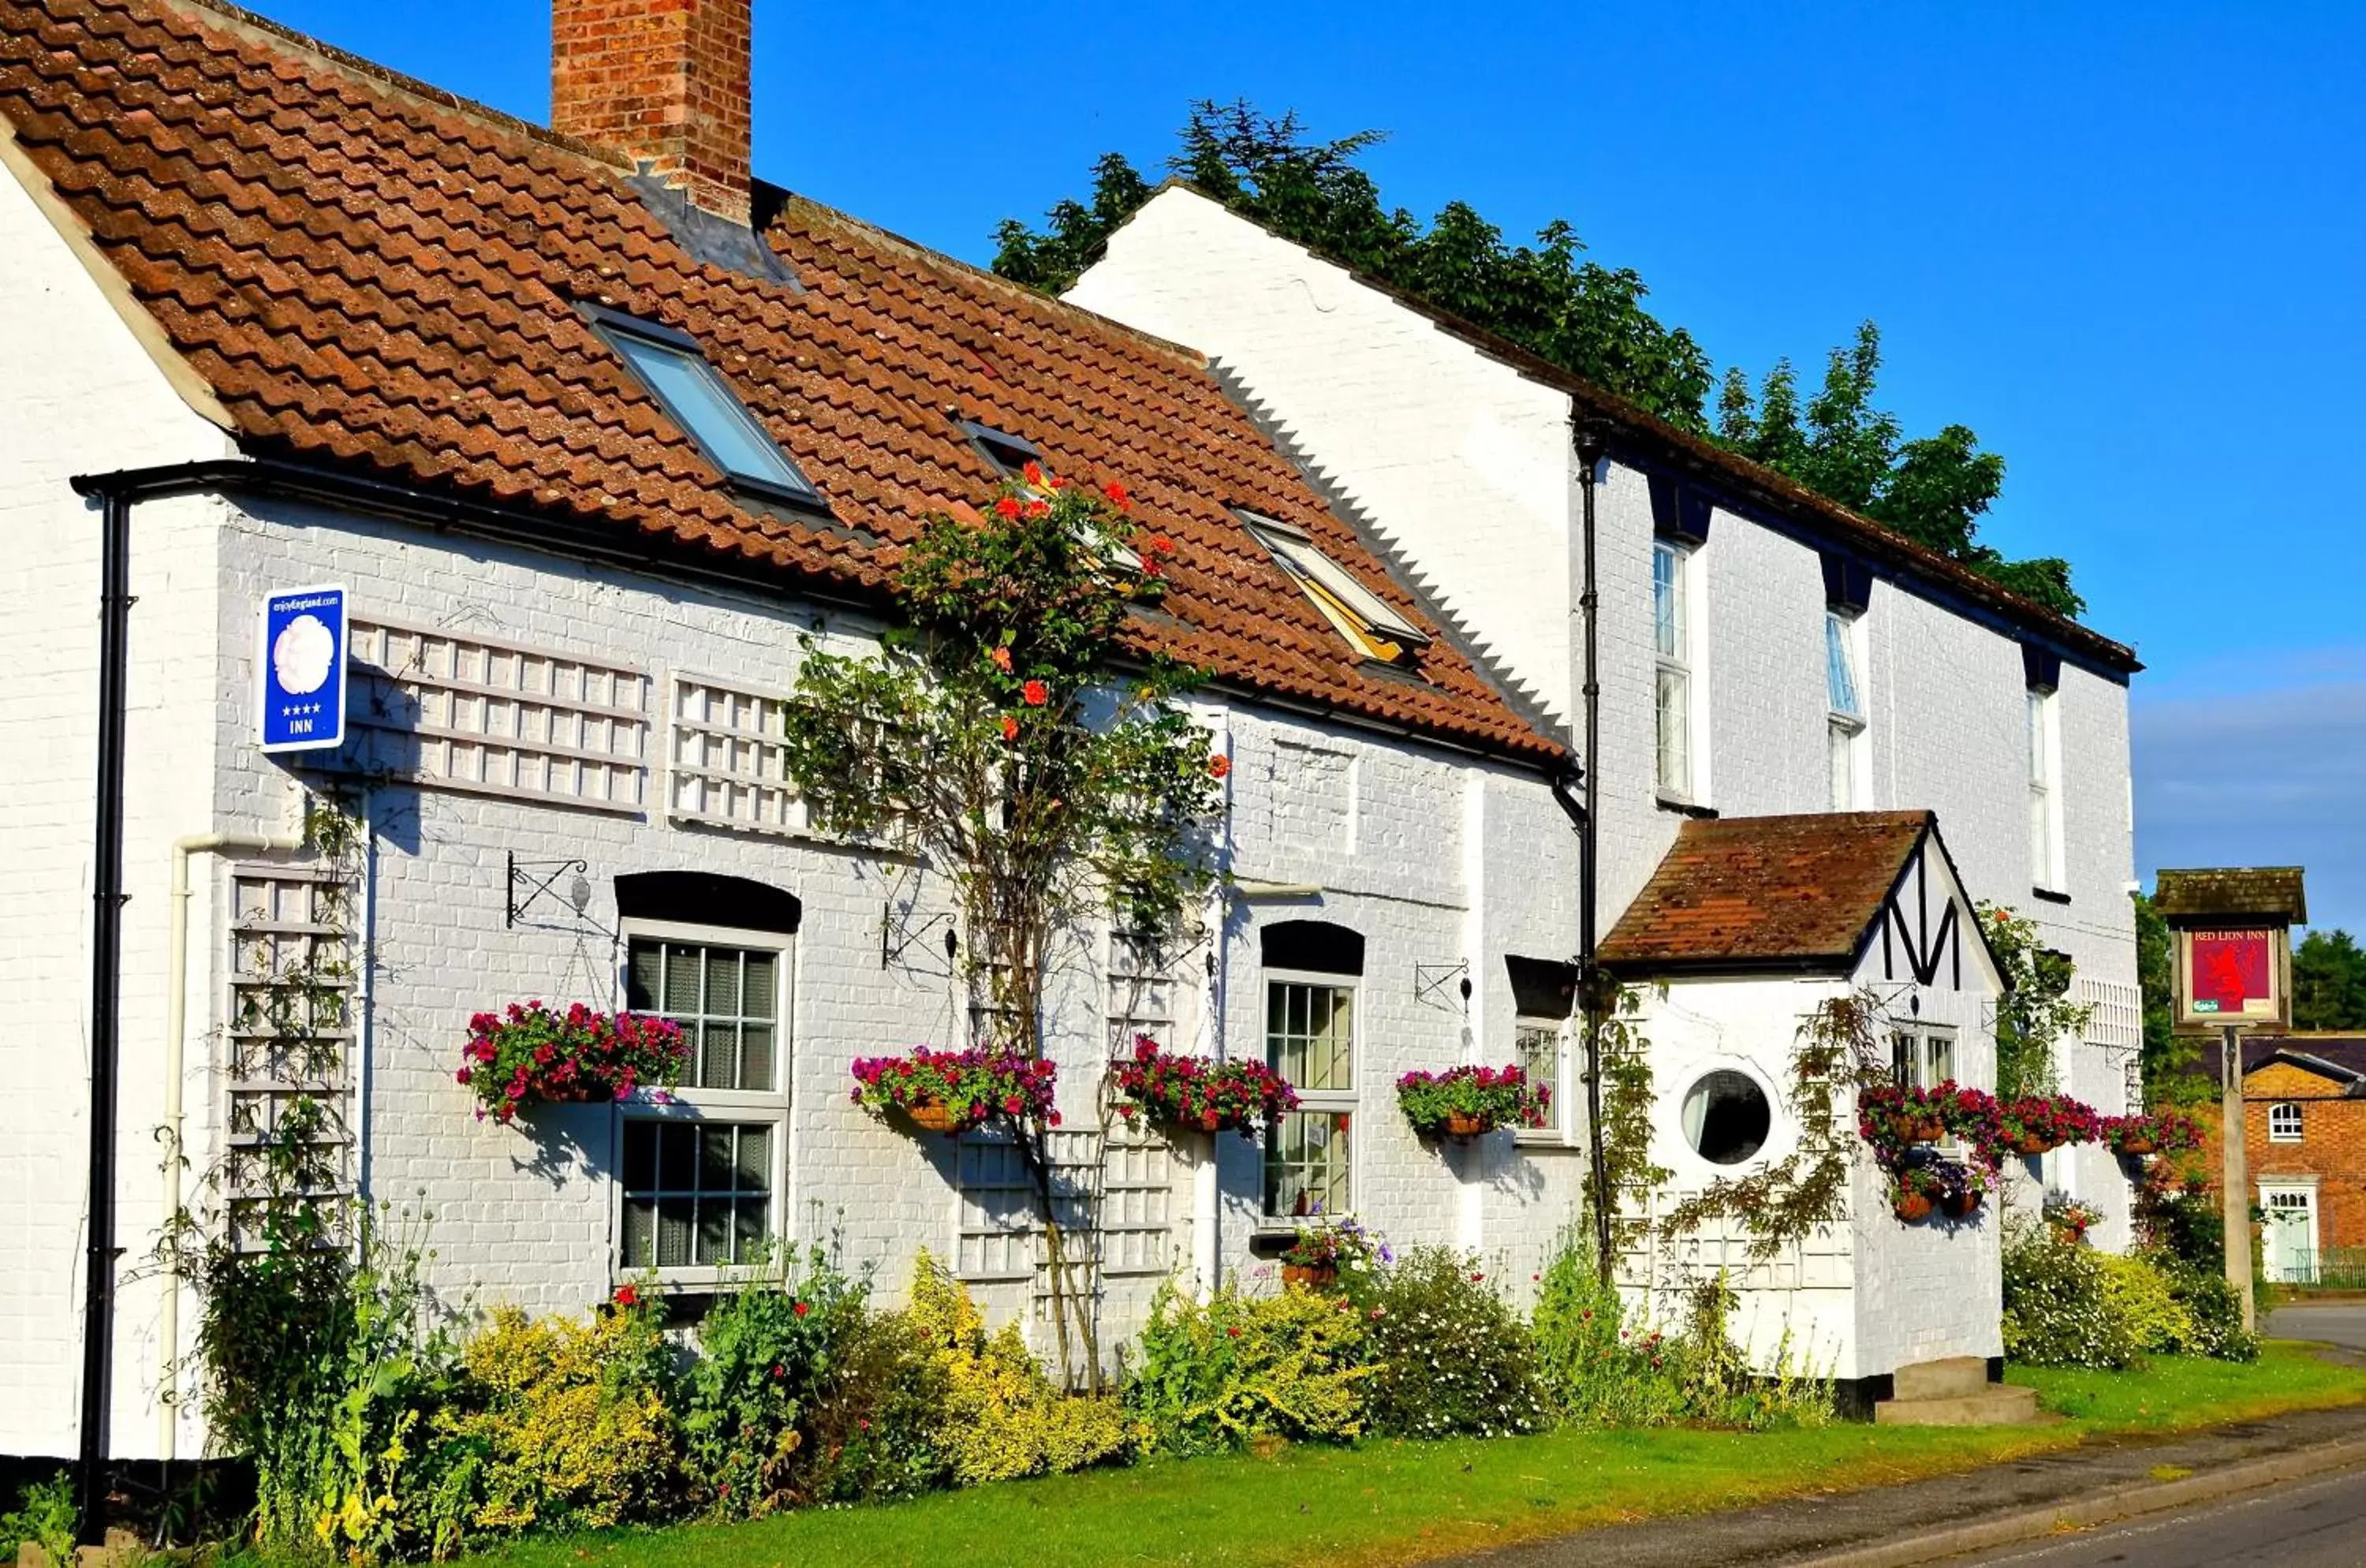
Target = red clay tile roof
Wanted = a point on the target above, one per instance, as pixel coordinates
(372, 275)
(1798, 892)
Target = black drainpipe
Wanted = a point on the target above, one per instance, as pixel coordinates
(1592, 441)
(106, 955)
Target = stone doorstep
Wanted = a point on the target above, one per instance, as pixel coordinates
(1955, 1377)
(1996, 1405)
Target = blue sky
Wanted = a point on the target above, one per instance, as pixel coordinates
(2124, 245)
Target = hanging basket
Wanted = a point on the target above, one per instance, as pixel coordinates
(930, 1116)
(2135, 1147)
(1960, 1205)
(1912, 1207)
(2036, 1143)
(1309, 1276)
(1460, 1125)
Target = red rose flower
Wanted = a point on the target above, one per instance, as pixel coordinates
(1010, 728)
(1036, 692)
(1006, 508)
(802, 1308)
(1219, 765)
(1001, 657)
(1039, 509)
(1162, 544)
(627, 1296)
(1116, 493)
(1032, 473)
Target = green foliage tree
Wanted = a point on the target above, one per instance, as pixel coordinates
(2035, 1010)
(2173, 1072)
(2328, 982)
(1576, 313)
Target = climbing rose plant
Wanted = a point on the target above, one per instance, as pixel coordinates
(528, 1053)
(1020, 732)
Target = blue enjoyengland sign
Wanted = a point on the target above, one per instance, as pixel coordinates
(302, 669)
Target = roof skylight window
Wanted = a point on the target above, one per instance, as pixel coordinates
(1372, 628)
(1010, 455)
(674, 371)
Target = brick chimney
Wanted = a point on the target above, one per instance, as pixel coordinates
(664, 81)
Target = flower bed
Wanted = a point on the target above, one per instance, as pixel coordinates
(956, 1091)
(528, 1053)
(1464, 1103)
(1182, 1093)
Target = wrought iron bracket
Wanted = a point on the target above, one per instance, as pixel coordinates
(1429, 979)
(540, 876)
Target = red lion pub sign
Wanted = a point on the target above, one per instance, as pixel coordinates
(2232, 932)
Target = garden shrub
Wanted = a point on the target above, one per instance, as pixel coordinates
(768, 1352)
(1602, 1367)
(2214, 1307)
(1449, 1355)
(568, 1419)
(2139, 1295)
(1001, 1418)
(1212, 1376)
(2057, 1309)
(45, 1515)
(875, 1433)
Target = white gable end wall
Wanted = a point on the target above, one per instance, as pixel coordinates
(79, 394)
(1468, 482)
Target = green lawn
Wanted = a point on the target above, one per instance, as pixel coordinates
(1388, 1502)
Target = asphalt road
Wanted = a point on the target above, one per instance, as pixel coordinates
(2319, 1523)
(2343, 1324)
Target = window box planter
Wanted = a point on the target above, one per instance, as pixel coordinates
(1188, 1094)
(529, 1054)
(954, 1093)
(1467, 1102)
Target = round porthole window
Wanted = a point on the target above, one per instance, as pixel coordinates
(1726, 1117)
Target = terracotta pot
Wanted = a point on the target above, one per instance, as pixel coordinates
(1960, 1205)
(1309, 1276)
(930, 1116)
(1458, 1125)
(1912, 1207)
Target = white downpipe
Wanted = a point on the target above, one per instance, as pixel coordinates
(177, 1018)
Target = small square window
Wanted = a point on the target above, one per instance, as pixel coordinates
(670, 367)
(2283, 1123)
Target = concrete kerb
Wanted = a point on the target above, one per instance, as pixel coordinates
(2111, 1505)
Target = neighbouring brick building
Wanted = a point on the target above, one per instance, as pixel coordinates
(2304, 1140)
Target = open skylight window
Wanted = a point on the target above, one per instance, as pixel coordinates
(1371, 628)
(1010, 455)
(671, 366)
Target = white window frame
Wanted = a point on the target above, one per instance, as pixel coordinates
(1849, 772)
(1368, 624)
(1313, 1101)
(2286, 1122)
(1682, 780)
(1558, 1130)
(1926, 1046)
(691, 1104)
(1139, 977)
(2044, 726)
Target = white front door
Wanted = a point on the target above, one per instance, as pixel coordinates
(2290, 1233)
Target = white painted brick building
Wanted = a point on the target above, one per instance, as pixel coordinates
(1457, 456)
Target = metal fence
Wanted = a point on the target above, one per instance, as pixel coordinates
(2327, 1268)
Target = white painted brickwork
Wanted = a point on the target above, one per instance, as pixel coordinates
(1463, 468)
(77, 395)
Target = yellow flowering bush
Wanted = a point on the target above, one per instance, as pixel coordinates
(1214, 1375)
(1002, 1418)
(2140, 1296)
(569, 1417)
